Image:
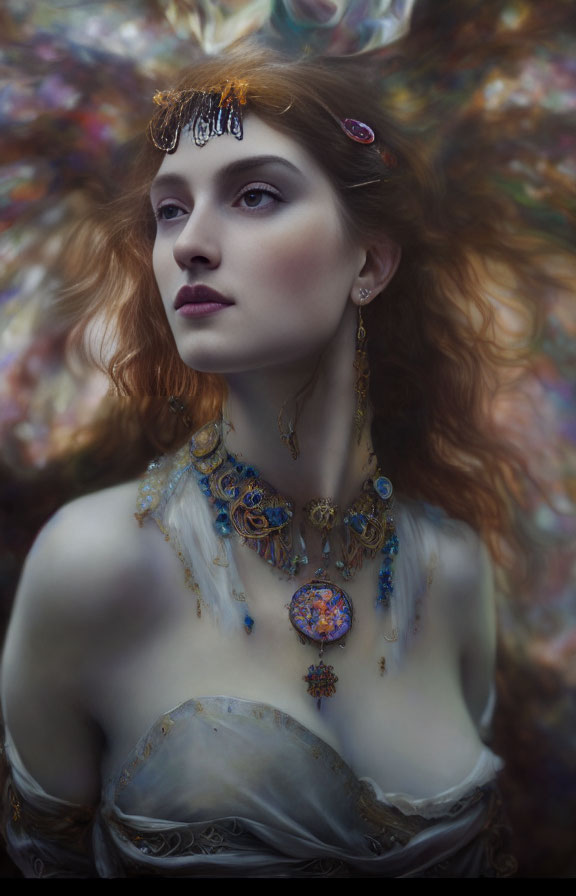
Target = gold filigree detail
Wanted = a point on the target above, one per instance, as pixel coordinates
(321, 513)
(232, 89)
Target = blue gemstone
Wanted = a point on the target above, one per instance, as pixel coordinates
(391, 546)
(252, 499)
(248, 622)
(358, 521)
(222, 524)
(383, 487)
(223, 528)
(277, 516)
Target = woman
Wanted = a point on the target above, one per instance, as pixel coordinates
(174, 697)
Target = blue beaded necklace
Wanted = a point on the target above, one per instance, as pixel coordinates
(246, 505)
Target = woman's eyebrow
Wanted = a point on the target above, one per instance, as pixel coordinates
(238, 166)
(251, 162)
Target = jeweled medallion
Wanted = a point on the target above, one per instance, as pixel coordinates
(321, 612)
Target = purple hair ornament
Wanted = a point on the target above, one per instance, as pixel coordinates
(357, 130)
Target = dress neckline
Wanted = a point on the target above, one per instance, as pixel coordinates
(446, 801)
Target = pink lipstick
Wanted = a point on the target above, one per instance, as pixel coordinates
(197, 301)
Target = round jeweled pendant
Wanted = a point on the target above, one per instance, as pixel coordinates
(321, 612)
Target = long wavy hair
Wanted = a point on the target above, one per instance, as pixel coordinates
(445, 336)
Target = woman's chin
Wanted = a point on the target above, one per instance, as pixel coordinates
(236, 363)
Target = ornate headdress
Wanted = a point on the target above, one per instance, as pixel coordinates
(205, 113)
(216, 111)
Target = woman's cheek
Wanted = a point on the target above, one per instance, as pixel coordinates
(304, 260)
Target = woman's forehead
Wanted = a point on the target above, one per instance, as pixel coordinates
(260, 142)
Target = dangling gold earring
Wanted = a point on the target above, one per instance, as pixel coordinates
(362, 369)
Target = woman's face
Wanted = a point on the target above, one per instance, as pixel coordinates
(251, 255)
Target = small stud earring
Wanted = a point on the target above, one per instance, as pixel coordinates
(363, 294)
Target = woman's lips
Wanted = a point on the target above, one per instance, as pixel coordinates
(196, 301)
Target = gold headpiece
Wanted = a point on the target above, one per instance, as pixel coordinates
(205, 113)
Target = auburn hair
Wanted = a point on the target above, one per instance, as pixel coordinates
(440, 347)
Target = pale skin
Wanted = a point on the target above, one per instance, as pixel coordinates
(105, 636)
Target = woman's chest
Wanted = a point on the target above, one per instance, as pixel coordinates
(409, 731)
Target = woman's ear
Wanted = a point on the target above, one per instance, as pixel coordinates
(380, 265)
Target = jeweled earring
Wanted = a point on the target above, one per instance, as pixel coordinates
(361, 367)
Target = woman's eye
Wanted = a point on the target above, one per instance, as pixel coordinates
(258, 197)
(168, 212)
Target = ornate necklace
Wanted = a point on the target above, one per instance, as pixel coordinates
(245, 504)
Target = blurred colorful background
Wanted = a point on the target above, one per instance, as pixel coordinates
(76, 82)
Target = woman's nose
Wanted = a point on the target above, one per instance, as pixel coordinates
(197, 243)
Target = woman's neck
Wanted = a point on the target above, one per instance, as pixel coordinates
(331, 462)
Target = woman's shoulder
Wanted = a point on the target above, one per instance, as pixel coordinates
(89, 529)
(96, 510)
(460, 593)
(450, 548)
(457, 569)
(75, 610)
(89, 559)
